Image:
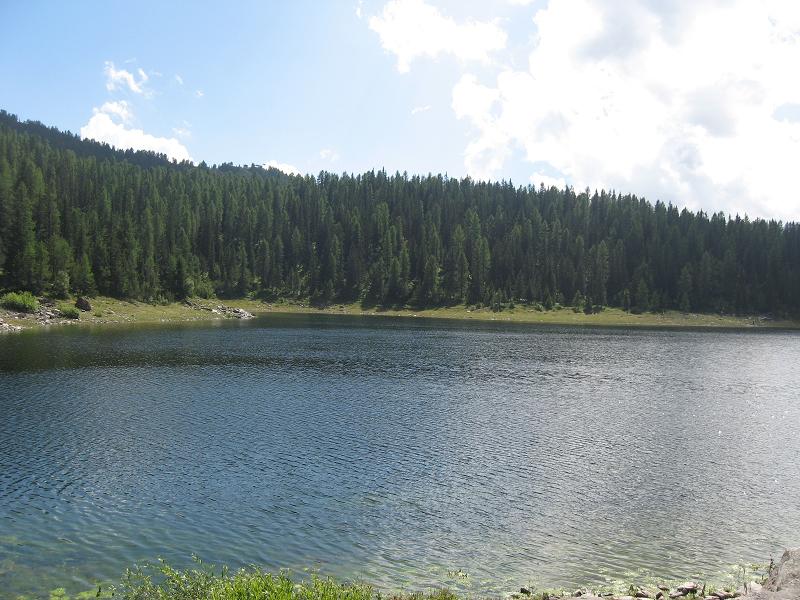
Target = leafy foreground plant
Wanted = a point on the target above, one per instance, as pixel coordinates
(166, 583)
(20, 301)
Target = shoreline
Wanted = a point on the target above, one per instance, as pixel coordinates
(774, 581)
(111, 311)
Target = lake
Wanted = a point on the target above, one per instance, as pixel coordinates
(396, 451)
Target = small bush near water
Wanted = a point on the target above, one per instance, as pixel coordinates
(165, 583)
(20, 301)
(69, 312)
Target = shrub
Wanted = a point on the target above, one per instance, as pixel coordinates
(69, 312)
(20, 301)
(164, 582)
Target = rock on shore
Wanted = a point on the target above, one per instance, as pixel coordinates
(8, 327)
(783, 582)
(221, 309)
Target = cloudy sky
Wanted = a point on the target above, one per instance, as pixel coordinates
(694, 102)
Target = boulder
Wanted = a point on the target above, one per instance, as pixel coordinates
(783, 582)
(688, 587)
(787, 573)
(82, 303)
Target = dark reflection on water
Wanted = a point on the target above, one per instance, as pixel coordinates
(396, 451)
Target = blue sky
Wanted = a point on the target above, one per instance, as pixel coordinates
(690, 102)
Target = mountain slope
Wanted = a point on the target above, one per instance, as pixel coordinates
(77, 216)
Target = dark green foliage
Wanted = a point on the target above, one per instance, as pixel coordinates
(80, 217)
(21, 302)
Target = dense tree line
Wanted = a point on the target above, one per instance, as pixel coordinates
(81, 217)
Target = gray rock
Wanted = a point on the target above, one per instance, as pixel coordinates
(787, 573)
(8, 327)
(642, 594)
(688, 587)
(783, 582)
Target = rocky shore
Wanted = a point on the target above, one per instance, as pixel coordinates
(222, 310)
(8, 327)
(782, 583)
(46, 314)
(102, 311)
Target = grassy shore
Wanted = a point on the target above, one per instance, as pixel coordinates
(163, 582)
(113, 311)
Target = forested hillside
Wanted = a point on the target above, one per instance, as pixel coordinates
(80, 217)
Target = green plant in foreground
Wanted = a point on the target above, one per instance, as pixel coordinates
(69, 312)
(20, 301)
(163, 582)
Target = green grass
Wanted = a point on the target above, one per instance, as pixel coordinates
(19, 301)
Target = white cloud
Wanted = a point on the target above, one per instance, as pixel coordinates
(684, 101)
(412, 29)
(119, 109)
(183, 131)
(285, 167)
(329, 154)
(420, 109)
(108, 124)
(541, 179)
(179, 79)
(120, 79)
(199, 93)
(360, 9)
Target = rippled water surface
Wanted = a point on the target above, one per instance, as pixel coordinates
(396, 451)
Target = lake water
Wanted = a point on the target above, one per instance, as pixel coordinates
(396, 451)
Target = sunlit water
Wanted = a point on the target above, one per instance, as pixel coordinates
(396, 451)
